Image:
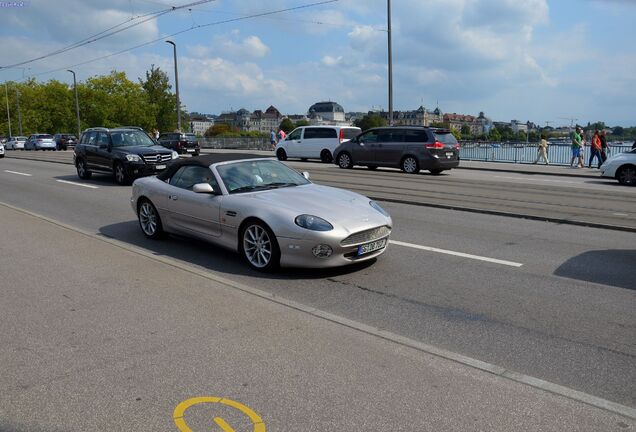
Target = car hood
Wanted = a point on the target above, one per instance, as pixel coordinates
(143, 150)
(331, 204)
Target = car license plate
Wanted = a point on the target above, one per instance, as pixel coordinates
(371, 247)
(190, 150)
(160, 167)
(449, 154)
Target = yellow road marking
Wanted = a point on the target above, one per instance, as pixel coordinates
(180, 410)
(223, 424)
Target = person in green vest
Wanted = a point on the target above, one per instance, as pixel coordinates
(577, 143)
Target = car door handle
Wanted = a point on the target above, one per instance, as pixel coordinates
(173, 197)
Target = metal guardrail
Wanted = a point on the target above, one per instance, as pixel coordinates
(558, 154)
(238, 143)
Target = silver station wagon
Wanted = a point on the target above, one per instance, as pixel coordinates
(262, 209)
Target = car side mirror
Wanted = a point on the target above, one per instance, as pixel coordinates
(203, 188)
(306, 175)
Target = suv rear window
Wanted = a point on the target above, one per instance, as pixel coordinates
(190, 137)
(44, 136)
(320, 133)
(415, 136)
(445, 138)
(350, 133)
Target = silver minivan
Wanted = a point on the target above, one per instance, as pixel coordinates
(314, 142)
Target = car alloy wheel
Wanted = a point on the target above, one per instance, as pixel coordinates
(82, 171)
(120, 174)
(344, 161)
(149, 220)
(627, 175)
(409, 165)
(260, 247)
(281, 155)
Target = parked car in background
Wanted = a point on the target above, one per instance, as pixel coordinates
(181, 142)
(125, 152)
(40, 142)
(410, 148)
(622, 167)
(1, 150)
(64, 141)
(314, 142)
(15, 143)
(262, 209)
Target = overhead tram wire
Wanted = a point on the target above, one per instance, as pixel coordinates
(215, 23)
(108, 32)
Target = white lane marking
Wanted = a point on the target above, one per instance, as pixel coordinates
(78, 184)
(459, 254)
(19, 173)
(620, 214)
(536, 179)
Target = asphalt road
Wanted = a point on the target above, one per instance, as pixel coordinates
(565, 315)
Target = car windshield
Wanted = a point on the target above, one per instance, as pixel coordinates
(190, 137)
(445, 138)
(131, 138)
(248, 176)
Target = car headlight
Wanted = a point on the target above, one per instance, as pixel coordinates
(175, 155)
(313, 223)
(133, 158)
(376, 206)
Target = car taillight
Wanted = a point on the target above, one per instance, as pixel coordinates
(456, 146)
(40, 140)
(435, 145)
(341, 137)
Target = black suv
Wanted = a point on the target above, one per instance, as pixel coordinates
(63, 141)
(181, 142)
(127, 152)
(410, 148)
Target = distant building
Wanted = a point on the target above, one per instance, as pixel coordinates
(418, 117)
(326, 113)
(456, 121)
(517, 126)
(257, 121)
(198, 127)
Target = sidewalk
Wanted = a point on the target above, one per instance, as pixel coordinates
(111, 337)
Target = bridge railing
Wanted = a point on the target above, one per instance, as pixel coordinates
(558, 154)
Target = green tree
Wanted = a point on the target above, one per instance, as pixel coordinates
(457, 134)
(370, 121)
(618, 131)
(218, 129)
(300, 123)
(287, 125)
(465, 131)
(494, 135)
(161, 101)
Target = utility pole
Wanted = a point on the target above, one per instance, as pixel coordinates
(176, 83)
(79, 128)
(17, 98)
(388, 3)
(6, 93)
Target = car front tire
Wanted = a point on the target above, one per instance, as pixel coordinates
(626, 175)
(325, 156)
(345, 161)
(259, 246)
(119, 172)
(82, 169)
(149, 220)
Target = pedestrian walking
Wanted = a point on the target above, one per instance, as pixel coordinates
(577, 143)
(542, 151)
(281, 135)
(272, 139)
(604, 147)
(595, 150)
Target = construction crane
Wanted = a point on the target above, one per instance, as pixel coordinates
(572, 120)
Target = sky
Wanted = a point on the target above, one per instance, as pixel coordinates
(531, 60)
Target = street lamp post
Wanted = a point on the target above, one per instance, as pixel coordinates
(17, 98)
(6, 93)
(176, 83)
(390, 64)
(79, 128)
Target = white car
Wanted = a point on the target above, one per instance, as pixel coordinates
(40, 142)
(622, 167)
(1, 151)
(15, 143)
(314, 142)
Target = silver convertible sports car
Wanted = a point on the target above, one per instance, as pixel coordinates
(261, 208)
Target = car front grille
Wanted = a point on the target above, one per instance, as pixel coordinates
(156, 158)
(366, 236)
